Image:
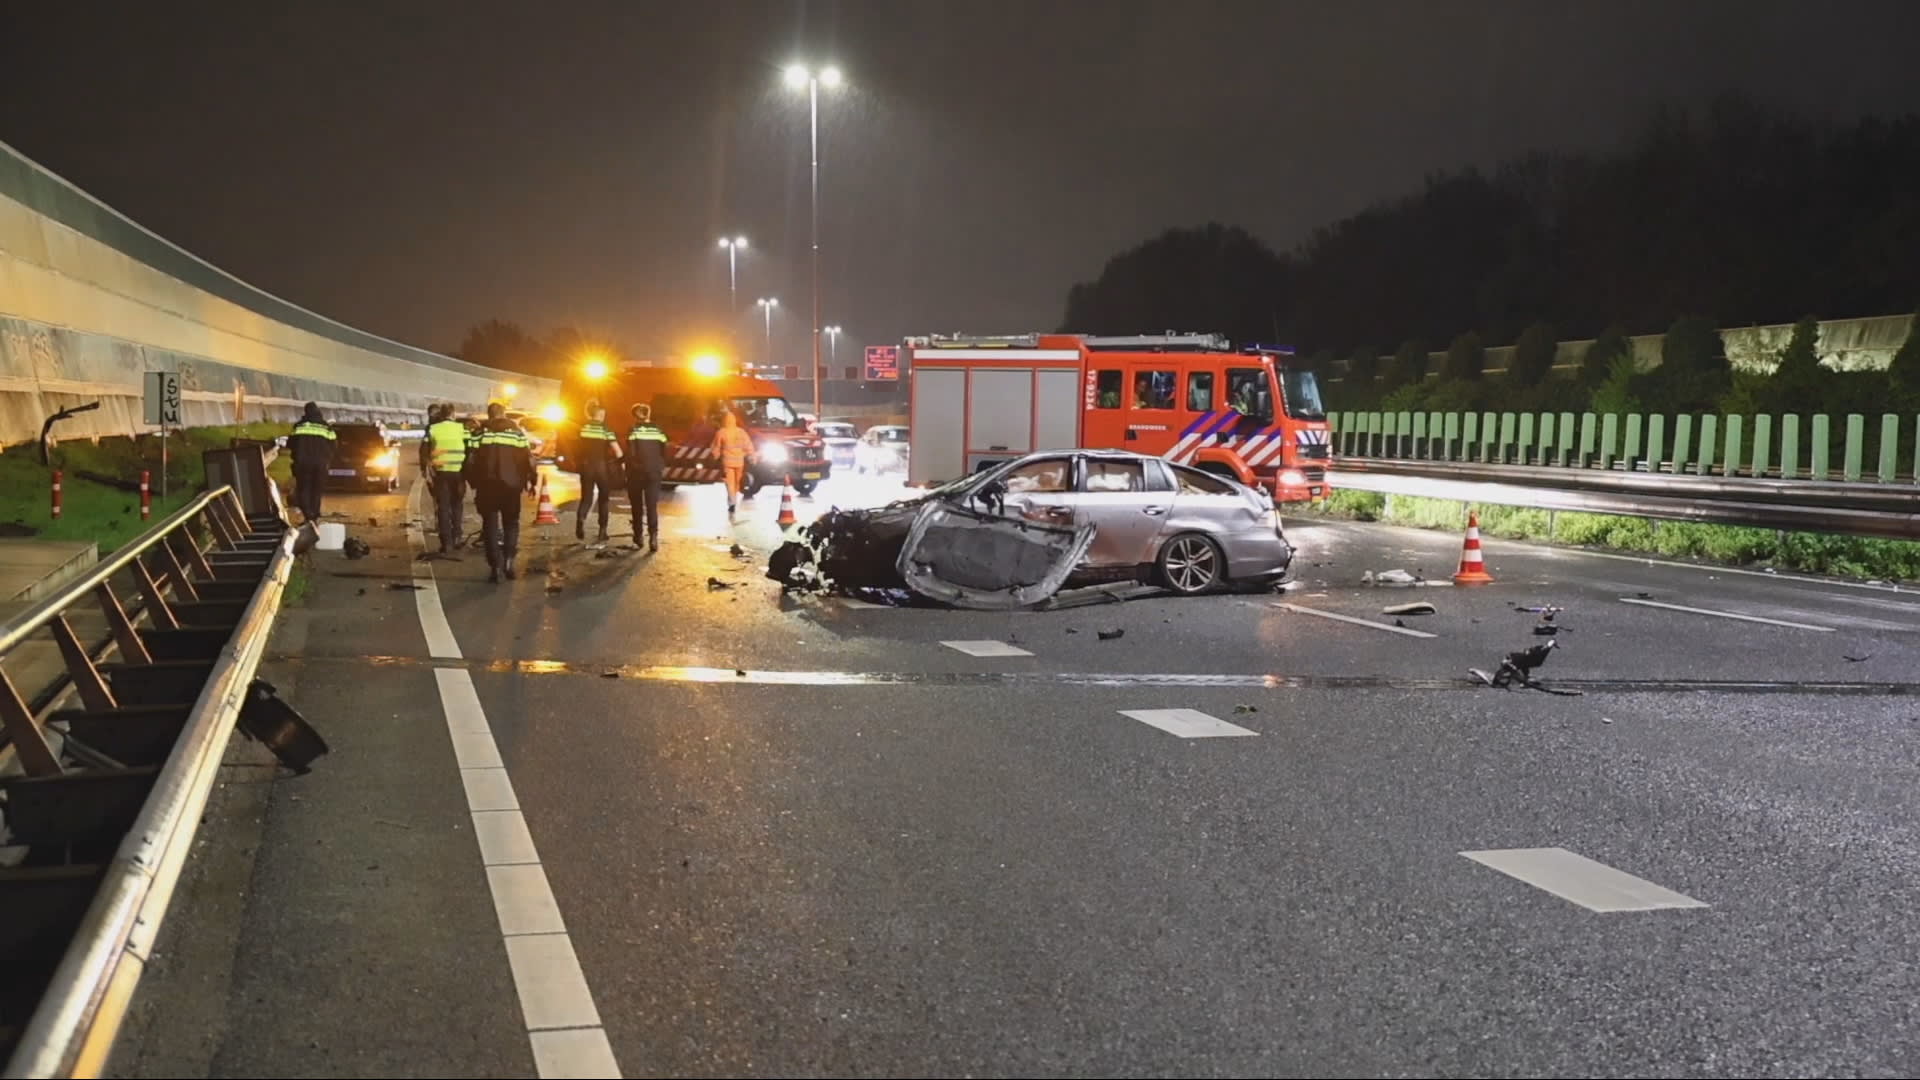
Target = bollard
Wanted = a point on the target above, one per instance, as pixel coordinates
(146, 495)
(56, 494)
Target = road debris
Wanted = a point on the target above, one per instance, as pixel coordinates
(1417, 608)
(1518, 667)
(1112, 635)
(714, 584)
(1856, 659)
(1242, 709)
(404, 586)
(355, 548)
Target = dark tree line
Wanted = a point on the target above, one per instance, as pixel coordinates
(1739, 215)
(508, 347)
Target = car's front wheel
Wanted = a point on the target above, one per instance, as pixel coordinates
(1191, 564)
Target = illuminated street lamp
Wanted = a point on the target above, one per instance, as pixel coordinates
(595, 367)
(797, 76)
(833, 349)
(767, 304)
(733, 246)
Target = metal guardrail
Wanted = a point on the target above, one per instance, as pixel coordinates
(1672, 498)
(105, 799)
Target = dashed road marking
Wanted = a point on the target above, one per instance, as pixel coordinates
(986, 648)
(564, 1030)
(1187, 723)
(1580, 880)
(1726, 614)
(1388, 627)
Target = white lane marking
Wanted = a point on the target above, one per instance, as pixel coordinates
(524, 901)
(563, 1025)
(986, 648)
(504, 838)
(1725, 614)
(426, 599)
(1576, 878)
(1388, 627)
(575, 1053)
(489, 789)
(553, 990)
(1187, 723)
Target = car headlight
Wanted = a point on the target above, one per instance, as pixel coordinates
(385, 459)
(773, 453)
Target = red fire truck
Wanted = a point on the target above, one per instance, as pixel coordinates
(688, 403)
(1249, 414)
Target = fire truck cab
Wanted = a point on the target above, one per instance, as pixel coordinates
(689, 404)
(1248, 414)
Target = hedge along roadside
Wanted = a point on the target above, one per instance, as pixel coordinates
(1820, 553)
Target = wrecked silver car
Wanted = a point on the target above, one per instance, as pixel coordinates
(1014, 534)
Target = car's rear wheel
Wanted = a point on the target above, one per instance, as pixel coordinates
(1191, 564)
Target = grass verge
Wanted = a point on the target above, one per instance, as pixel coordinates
(1819, 553)
(299, 584)
(101, 512)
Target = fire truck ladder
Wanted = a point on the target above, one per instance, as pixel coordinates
(1160, 342)
(967, 341)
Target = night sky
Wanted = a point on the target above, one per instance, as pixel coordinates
(414, 168)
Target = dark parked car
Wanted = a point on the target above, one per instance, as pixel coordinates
(365, 458)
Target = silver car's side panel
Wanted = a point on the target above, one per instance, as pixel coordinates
(987, 562)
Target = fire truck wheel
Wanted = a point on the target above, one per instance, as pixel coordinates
(805, 488)
(1191, 564)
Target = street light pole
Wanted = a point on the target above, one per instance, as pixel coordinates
(733, 246)
(795, 76)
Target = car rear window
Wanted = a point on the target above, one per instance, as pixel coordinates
(1195, 482)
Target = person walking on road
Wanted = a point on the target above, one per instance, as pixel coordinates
(734, 447)
(598, 449)
(446, 447)
(499, 469)
(646, 466)
(311, 444)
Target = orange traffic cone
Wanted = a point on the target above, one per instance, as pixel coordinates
(786, 517)
(1473, 568)
(546, 515)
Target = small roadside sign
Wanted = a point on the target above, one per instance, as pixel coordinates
(163, 398)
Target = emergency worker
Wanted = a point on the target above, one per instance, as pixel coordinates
(646, 467)
(446, 445)
(598, 450)
(312, 444)
(734, 447)
(499, 469)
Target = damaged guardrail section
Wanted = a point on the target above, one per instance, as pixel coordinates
(104, 796)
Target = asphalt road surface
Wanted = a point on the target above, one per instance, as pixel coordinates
(611, 819)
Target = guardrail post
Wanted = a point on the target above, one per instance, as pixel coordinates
(1586, 439)
(1489, 435)
(1564, 455)
(1469, 434)
(1682, 442)
(1762, 445)
(1527, 421)
(1731, 457)
(1889, 448)
(1609, 438)
(1452, 433)
(1631, 452)
(1421, 444)
(1543, 451)
(1822, 445)
(1916, 450)
(29, 742)
(1856, 446)
(1789, 446)
(1656, 441)
(1506, 437)
(1433, 436)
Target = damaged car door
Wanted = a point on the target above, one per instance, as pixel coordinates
(1008, 542)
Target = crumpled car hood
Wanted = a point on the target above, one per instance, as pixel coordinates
(987, 562)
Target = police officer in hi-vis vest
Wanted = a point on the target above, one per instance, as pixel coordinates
(447, 449)
(311, 444)
(598, 450)
(499, 469)
(646, 467)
